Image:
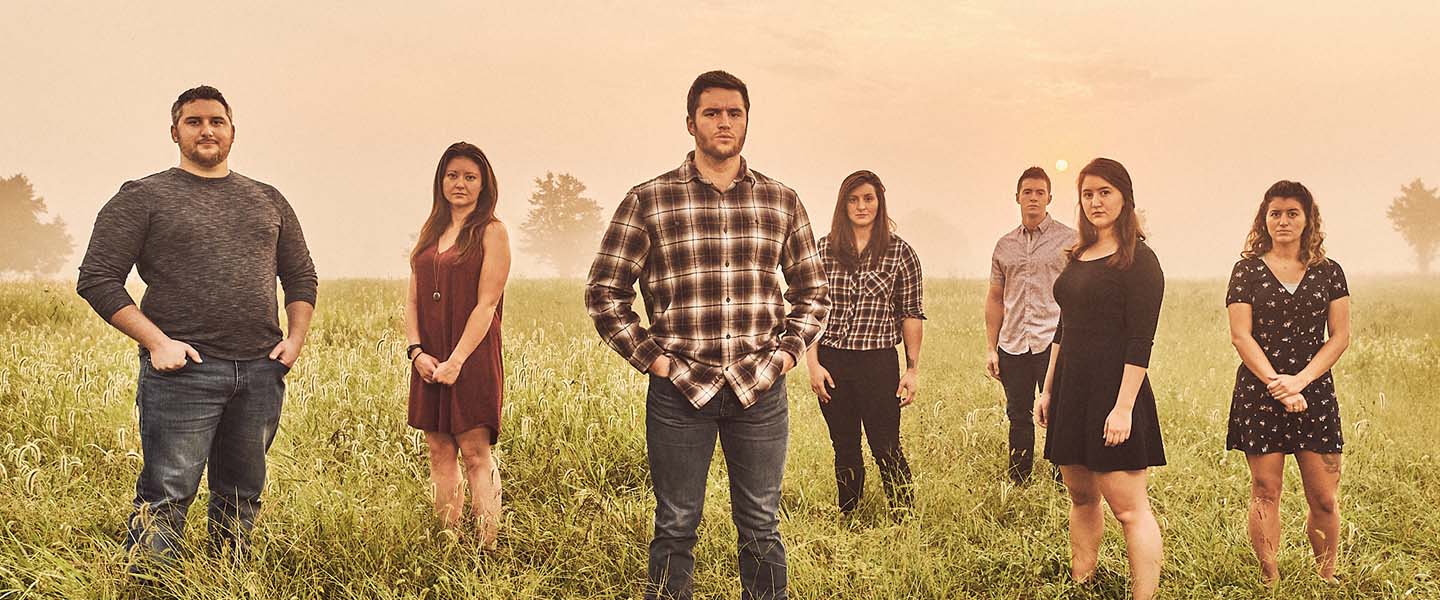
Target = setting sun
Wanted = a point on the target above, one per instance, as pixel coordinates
(1061, 165)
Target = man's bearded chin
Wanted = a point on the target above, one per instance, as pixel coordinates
(208, 160)
(717, 154)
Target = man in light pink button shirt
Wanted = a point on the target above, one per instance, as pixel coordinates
(1021, 313)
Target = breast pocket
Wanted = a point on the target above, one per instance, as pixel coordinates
(876, 283)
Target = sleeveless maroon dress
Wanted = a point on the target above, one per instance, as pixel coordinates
(476, 397)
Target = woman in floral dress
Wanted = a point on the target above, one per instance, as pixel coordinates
(1284, 295)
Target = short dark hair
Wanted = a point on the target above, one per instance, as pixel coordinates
(714, 79)
(1033, 173)
(203, 92)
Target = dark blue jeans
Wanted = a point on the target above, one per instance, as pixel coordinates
(680, 441)
(220, 412)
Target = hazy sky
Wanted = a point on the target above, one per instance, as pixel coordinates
(345, 107)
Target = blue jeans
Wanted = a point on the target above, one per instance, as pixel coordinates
(680, 441)
(223, 412)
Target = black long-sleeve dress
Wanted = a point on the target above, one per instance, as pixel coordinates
(1107, 320)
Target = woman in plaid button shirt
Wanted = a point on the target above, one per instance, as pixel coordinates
(875, 290)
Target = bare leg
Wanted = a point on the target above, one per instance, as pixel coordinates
(1320, 474)
(483, 476)
(1087, 522)
(445, 478)
(1267, 478)
(1126, 494)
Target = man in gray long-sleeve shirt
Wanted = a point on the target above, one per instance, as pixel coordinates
(209, 244)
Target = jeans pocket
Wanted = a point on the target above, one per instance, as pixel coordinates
(148, 368)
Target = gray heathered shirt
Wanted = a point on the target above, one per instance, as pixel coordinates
(209, 250)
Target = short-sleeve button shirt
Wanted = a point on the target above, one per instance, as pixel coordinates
(1025, 264)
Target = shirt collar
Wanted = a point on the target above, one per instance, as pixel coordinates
(688, 171)
(1040, 228)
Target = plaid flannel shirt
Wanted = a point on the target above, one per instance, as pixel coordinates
(706, 266)
(870, 304)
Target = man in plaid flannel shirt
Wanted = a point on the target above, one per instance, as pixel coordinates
(704, 241)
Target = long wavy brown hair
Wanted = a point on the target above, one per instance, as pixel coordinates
(842, 236)
(475, 223)
(1127, 226)
(1312, 238)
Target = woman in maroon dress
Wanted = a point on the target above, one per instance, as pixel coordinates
(452, 320)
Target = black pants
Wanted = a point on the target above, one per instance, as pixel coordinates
(1022, 375)
(864, 396)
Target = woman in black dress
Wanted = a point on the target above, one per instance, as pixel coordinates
(1284, 293)
(1097, 403)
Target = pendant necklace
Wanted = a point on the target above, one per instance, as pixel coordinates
(436, 295)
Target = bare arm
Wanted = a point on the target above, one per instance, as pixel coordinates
(165, 354)
(994, 317)
(130, 321)
(1339, 325)
(424, 363)
(820, 381)
(912, 331)
(1129, 387)
(1338, 322)
(1242, 337)
(1042, 402)
(1050, 370)
(493, 275)
(297, 320)
(412, 315)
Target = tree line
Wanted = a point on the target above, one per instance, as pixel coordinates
(562, 226)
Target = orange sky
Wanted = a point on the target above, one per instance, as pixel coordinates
(346, 106)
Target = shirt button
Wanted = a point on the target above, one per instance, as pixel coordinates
(727, 300)
(727, 263)
(727, 336)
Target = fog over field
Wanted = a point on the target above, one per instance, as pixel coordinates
(346, 107)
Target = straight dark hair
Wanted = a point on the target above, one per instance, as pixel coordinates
(714, 79)
(842, 234)
(1127, 226)
(475, 223)
(1312, 239)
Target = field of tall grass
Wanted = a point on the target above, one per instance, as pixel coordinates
(347, 509)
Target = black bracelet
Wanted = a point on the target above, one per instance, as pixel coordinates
(409, 352)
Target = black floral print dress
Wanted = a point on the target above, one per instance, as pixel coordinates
(1290, 327)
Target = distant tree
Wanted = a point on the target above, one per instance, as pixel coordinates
(29, 245)
(1416, 215)
(563, 226)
